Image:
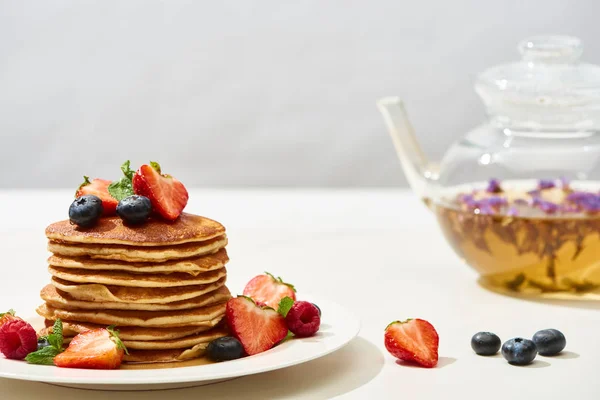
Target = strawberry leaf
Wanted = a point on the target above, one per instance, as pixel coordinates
(279, 280)
(86, 181)
(11, 312)
(123, 187)
(114, 336)
(285, 305)
(156, 166)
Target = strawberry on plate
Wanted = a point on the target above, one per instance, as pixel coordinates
(99, 188)
(414, 340)
(268, 290)
(7, 316)
(94, 349)
(167, 195)
(257, 328)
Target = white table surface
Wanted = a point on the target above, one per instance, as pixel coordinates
(380, 253)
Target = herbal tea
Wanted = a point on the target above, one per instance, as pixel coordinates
(545, 241)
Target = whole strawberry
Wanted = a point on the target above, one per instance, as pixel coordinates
(17, 339)
(414, 340)
(268, 290)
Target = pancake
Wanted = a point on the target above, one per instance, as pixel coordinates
(71, 328)
(124, 278)
(179, 343)
(192, 266)
(164, 356)
(187, 228)
(138, 253)
(202, 316)
(97, 292)
(59, 299)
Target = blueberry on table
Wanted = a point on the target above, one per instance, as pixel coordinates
(134, 209)
(549, 342)
(519, 351)
(85, 210)
(225, 349)
(485, 343)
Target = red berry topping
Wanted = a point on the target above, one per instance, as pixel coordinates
(303, 319)
(268, 290)
(258, 329)
(17, 339)
(167, 195)
(413, 340)
(94, 349)
(99, 188)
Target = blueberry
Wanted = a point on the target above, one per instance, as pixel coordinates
(42, 342)
(225, 349)
(519, 351)
(549, 342)
(134, 209)
(85, 210)
(318, 308)
(485, 343)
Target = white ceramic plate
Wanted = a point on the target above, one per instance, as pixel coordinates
(338, 328)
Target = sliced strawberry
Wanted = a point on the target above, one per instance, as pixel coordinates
(257, 328)
(167, 195)
(94, 349)
(413, 340)
(7, 316)
(268, 290)
(99, 188)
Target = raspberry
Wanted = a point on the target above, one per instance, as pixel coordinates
(17, 339)
(303, 319)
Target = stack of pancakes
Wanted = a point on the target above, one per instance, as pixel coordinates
(162, 284)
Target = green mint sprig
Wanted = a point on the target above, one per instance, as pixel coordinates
(123, 187)
(45, 355)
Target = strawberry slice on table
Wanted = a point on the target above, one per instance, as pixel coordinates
(167, 195)
(99, 188)
(94, 349)
(414, 340)
(257, 328)
(268, 290)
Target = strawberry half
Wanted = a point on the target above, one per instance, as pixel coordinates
(93, 349)
(167, 195)
(257, 328)
(99, 188)
(268, 290)
(413, 340)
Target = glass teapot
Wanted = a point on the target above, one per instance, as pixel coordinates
(518, 197)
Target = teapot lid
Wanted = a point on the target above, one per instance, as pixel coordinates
(549, 86)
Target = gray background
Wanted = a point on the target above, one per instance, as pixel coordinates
(249, 93)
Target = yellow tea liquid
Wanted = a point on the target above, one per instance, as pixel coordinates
(528, 255)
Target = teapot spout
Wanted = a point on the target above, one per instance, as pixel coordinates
(420, 173)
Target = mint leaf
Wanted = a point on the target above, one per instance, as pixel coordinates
(123, 187)
(288, 336)
(284, 306)
(56, 337)
(44, 356)
(114, 336)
